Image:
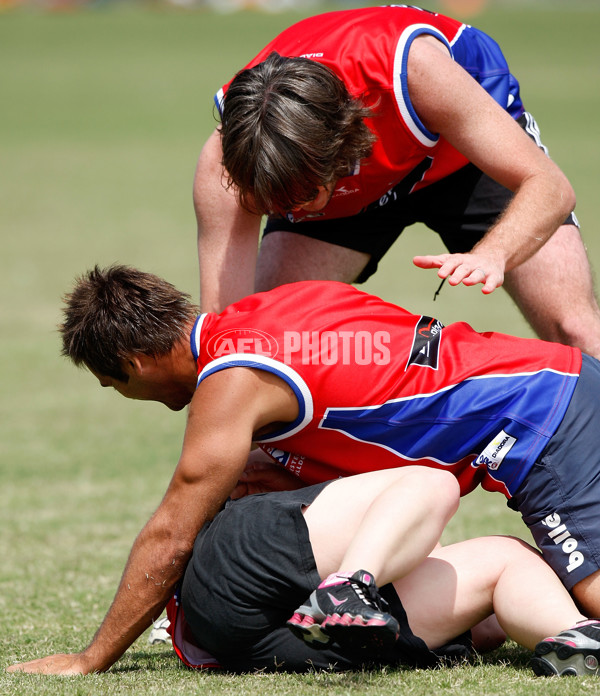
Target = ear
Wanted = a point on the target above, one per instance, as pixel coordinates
(138, 364)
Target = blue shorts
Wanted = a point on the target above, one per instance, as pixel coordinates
(560, 498)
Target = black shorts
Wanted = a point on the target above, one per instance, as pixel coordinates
(252, 567)
(461, 208)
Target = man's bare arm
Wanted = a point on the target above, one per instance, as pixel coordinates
(227, 234)
(226, 410)
(451, 103)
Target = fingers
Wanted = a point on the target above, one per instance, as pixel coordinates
(468, 269)
(430, 261)
(490, 279)
(63, 664)
(240, 491)
(463, 274)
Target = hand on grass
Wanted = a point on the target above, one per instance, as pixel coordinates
(469, 269)
(64, 664)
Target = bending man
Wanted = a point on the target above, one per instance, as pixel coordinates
(352, 125)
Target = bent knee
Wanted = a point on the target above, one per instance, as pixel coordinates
(587, 595)
(445, 488)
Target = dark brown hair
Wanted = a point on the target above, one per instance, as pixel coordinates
(288, 126)
(120, 310)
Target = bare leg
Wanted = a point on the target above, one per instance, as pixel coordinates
(457, 586)
(460, 585)
(554, 291)
(385, 521)
(587, 595)
(488, 635)
(285, 257)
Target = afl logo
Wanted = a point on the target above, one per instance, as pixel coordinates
(234, 341)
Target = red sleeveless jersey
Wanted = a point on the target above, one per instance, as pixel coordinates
(378, 387)
(368, 50)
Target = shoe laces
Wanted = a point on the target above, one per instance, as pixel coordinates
(369, 594)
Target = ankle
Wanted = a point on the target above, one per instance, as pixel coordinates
(340, 577)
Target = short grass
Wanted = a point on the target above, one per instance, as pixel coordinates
(103, 115)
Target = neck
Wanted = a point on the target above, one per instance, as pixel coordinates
(183, 364)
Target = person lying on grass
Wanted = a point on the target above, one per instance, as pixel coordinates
(363, 540)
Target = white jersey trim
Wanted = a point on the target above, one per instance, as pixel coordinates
(195, 336)
(219, 100)
(409, 116)
(532, 129)
(285, 372)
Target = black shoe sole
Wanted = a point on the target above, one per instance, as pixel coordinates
(359, 638)
(313, 635)
(555, 659)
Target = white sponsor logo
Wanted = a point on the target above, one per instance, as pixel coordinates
(334, 347)
(493, 455)
(292, 462)
(311, 55)
(234, 341)
(391, 195)
(343, 191)
(308, 347)
(281, 456)
(561, 535)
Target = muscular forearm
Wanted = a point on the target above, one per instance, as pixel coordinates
(227, 235)
(539, 207)
(451, 103)
(214, 452)
(155, 565)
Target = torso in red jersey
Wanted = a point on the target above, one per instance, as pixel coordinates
(379, 387)
(368, 49)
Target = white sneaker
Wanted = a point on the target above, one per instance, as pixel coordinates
(159, 634)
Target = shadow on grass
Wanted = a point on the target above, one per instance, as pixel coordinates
(151, 660)
(158, 659)
(509, 655)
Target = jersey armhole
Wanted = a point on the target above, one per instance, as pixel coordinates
(407, 112)
(281, 370)
(219, 98)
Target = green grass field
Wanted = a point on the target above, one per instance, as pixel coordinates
(103, 113)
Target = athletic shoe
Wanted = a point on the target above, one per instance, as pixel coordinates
(159, 634)
(346, 609)
(575, 652)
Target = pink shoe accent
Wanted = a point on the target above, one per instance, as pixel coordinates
(335, 579)
(358, 621)
(337, 620)
(299, 620)
(337, 602)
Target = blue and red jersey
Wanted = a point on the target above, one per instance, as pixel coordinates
(368, 50)
(378, 387)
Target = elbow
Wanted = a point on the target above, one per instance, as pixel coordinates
(571, 200)
(169, 549)
(566, 196)
(177, 549)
